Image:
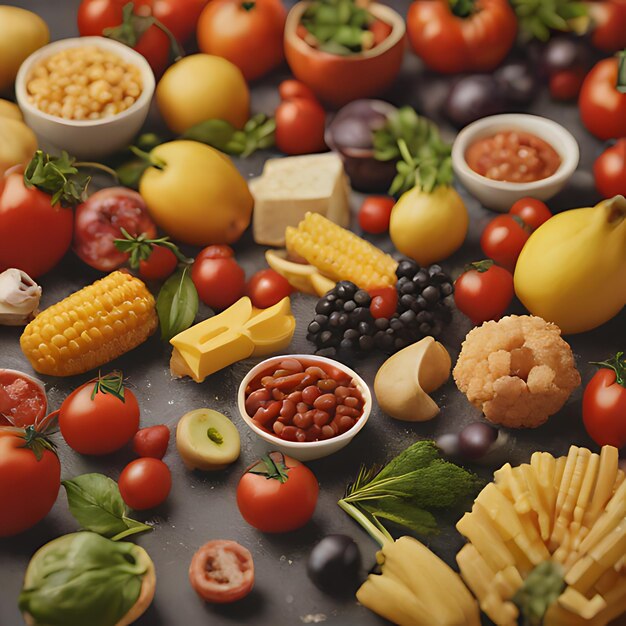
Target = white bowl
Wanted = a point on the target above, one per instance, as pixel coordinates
(86, 139)
(306, 450)
(500, 195)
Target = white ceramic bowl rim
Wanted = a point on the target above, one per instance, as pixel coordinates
(384, 12)
(303, 445)
(124, 51)
(534, 124)
(32, 379)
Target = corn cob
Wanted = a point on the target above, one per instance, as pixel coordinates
(339, 253)
(91, 327)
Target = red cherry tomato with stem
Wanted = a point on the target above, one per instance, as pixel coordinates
(384, 302)
(159, 265)
(531, 211)
(151, 441)
(266, 288)
(609, 170)
(484, 291)
(145, 483)
(375, 213)
(503, 240)
(291, 88)
(300, 125)
(219, 279)
(604, 403)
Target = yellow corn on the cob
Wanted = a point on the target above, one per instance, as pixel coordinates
(91, 327)
(339, 253)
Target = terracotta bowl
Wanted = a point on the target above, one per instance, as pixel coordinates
(337, 80)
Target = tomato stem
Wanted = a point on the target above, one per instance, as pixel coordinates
(462, 8)
(153, 161)
(616, 363)
(621, 71)
(98, 166)
(480, 266)
(248, 6)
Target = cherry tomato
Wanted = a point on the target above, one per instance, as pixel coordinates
(219, 279)
(30, 478)
(450, 43)
(22, 399)
(531, 211)
(300, 124)
(151, 441)
(160, 264)
(99, 221)
(609, 170)
(248, 34)
(222, 571)
(375, 213)
(277, 494)
(609, 24)
(604, 403)
(266, 288)
(94, 419)
(145, 483)
(289, 89)
(484, 291)
(602, 106)
(34, 235)
(565, 84)
(503, 240)
(384, 302)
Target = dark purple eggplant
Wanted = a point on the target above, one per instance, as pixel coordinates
(564, 52)
(517, 82)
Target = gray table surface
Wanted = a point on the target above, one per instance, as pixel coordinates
(202, 506)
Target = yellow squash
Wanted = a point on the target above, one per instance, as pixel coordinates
(572, 270)
(17, 142)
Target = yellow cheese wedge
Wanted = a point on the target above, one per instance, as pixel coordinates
(301, 276)
(237, 333)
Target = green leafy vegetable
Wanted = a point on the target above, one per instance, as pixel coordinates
(540, 590)
(95, 501)
(81, 579)
(404, 490)
(537, 18)
(140, 248)
(177, 304)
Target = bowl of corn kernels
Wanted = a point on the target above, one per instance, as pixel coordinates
(88, 96)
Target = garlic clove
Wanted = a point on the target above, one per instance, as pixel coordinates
(19, 297)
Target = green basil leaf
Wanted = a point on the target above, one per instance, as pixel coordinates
(215, 133)
(80, 579)
(95, 502)
(177, 304)
(129, 174)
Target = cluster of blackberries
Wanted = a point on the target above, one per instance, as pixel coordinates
(344, 322)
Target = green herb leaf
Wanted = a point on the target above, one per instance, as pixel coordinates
(95, 502)
(140, 248)
(540, 590)
(177, 304)
(537, 18)
(405, 513)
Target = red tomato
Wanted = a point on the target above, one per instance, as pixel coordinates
(179, 16)
(248, 34)
(289, 89)
(300, 124)
(602, 106)
(30, 478)
(448, 43)
(565, 84)
(266, 288)
(160, 264)
(22, 399)
(604, 403)
(483, 292)
(34, 235)
(531, 211)
(97, 421)
(222, 571)
(375, 213)
(384, 302)
(277, 494)
(151, 441)
(145, 483)
(609, 170)
(100, 220)
(503, 240)
(609, 24)
(220, 280)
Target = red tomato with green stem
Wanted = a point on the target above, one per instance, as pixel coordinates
(277, 494)
(159, 265)
(375, 213)
(484, 291)
(218, 277)
(30, 479)
(461, 36)
(300, 125)
(266, 288)
(503, 240)
(609, 170)
(247, 33)
(145, 483)
(100, 416)
(151, 441)
(604, 403)
(531, 211)
(34, 234)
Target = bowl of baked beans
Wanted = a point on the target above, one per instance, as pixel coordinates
(86, 95)
(304, 405)
(502, 158)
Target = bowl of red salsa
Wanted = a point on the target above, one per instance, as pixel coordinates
(503, 158)
(22, 399)
(303, 405)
